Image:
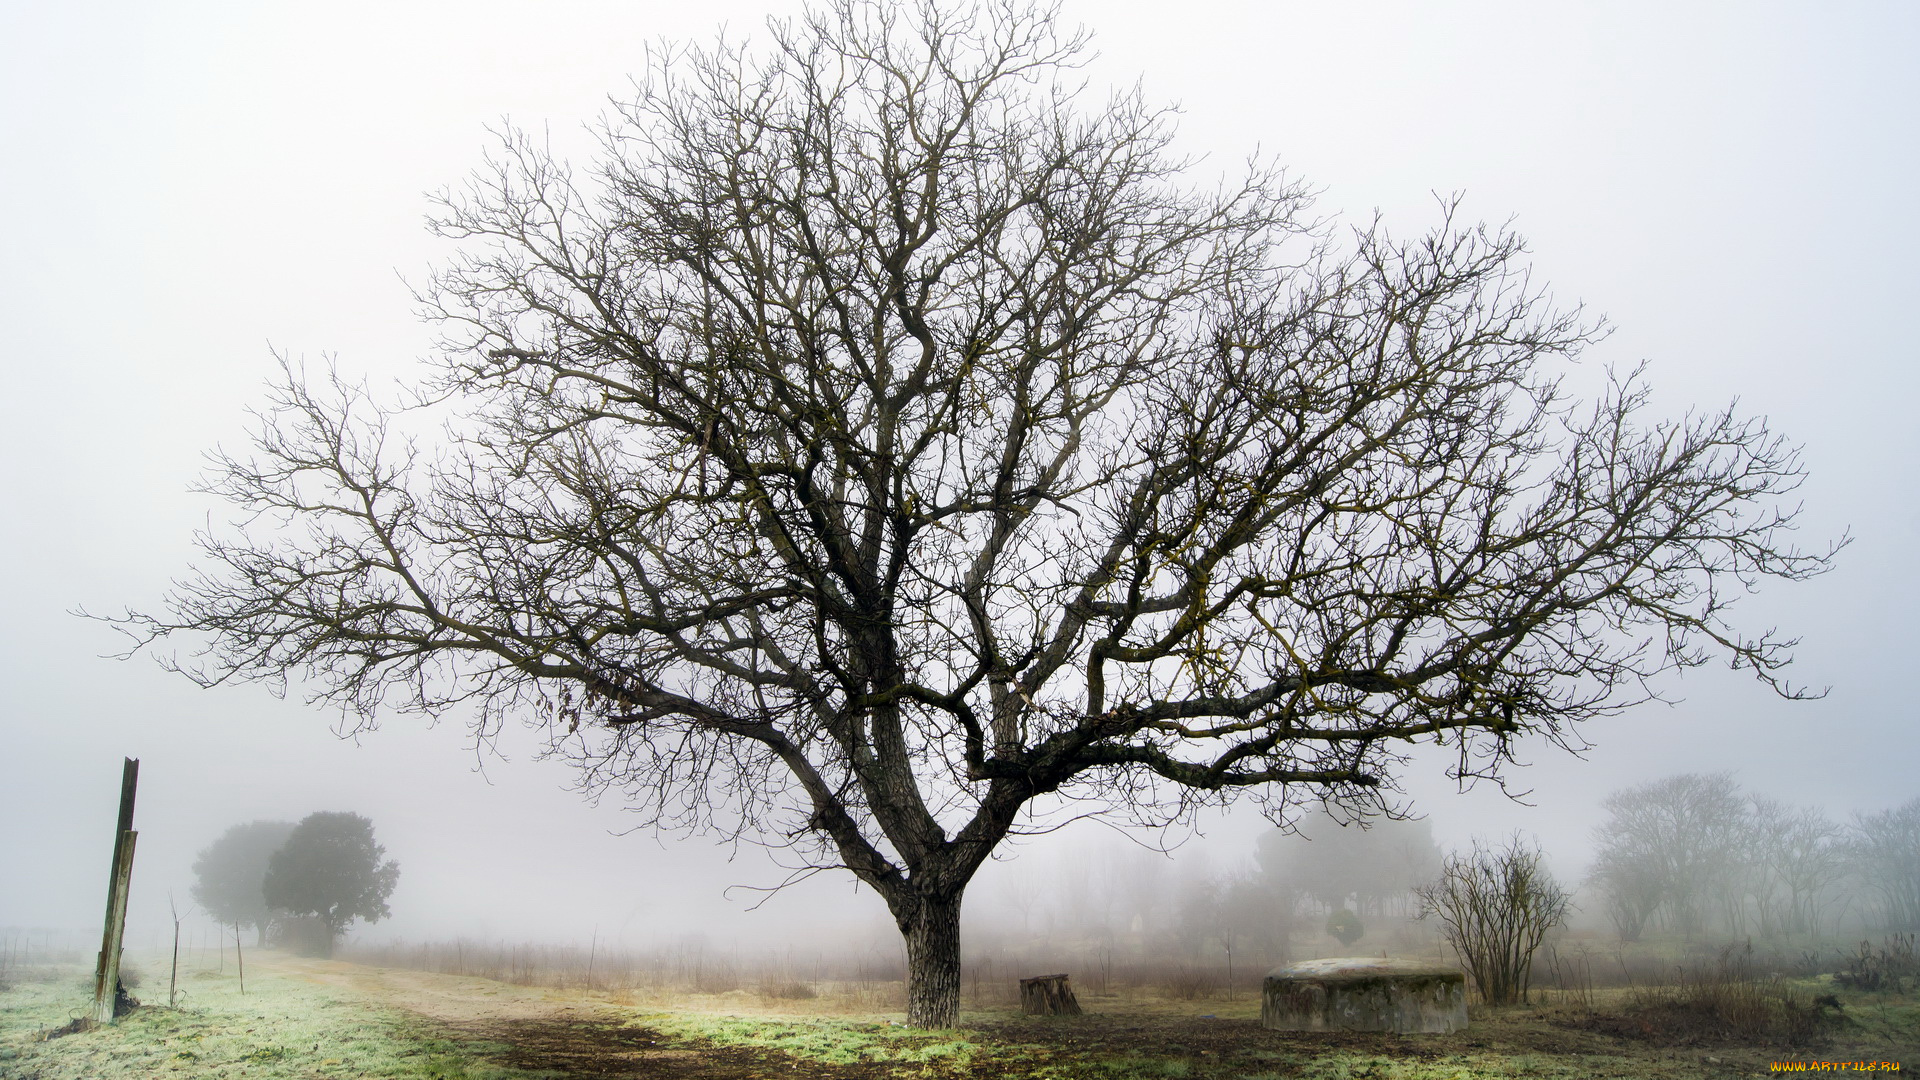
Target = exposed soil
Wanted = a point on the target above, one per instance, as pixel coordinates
(1197, 1038)
(449, 999)
(567, 1034)
(555, 1030)
(586, 1048)
(1191, 1037)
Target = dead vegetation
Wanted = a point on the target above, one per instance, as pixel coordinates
(1724, 1000)
(850, 1029)
(1893, 966)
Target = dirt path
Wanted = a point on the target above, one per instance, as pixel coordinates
(447, 999)
(551, 1029)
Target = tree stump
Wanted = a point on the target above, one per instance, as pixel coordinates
(1365, 994)
(1048, 995)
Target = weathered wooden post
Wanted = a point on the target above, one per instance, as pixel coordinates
(106, 976)
(173, 973)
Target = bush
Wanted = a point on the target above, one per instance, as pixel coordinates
(1495, 907)
(711, 976)
(1189, 984)
(1887, 969)
(1723, 1000)
(1345, 926)
(787, 990)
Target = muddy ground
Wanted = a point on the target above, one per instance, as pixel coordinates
(572, 1034)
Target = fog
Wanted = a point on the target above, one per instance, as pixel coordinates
(1729, 184)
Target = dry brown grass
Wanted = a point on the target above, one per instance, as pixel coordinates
(1893, 966)
(1725, 999)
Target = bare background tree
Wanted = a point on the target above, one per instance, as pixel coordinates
(878, 444)
(1673, 845)
(1495, 907)
(1692, 854)
(1886, 854)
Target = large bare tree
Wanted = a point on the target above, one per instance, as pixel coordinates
(880, 437)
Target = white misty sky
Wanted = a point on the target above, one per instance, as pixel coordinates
(186, 184)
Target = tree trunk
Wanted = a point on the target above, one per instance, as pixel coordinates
(932, 930)
(1048, 995)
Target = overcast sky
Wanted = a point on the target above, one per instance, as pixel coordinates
(188, 184)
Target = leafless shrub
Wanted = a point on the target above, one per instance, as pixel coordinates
(1886, 851)
(38, 956)
(1191, 984)
(1888, 968)
(1725, 999)
(1495, 907)
(712, 975)
(786, 989)
(1572, 975)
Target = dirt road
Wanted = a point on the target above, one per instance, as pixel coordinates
(551, 1029)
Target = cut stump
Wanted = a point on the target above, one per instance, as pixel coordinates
(1365, 994)
(1048, 995)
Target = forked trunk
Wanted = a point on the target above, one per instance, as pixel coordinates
(932, 930)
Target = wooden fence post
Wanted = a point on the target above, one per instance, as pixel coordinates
(106, 976)
(173, 974)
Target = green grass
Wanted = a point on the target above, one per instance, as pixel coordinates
(1504, 1044)
(832, 1042)
(286, 1027)
(281, 1028)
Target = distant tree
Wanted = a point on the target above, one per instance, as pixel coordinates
(1369, 864)
(229, 873)
(1496, 905)
(1798, 854)
(1684, 839)
(1345, 926)
(1632, 886)
(879, 437)
(1886, 852)
(1263, 913)
(1199, 914)
(330, 868)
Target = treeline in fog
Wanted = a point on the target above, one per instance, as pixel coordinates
(1696, 856)
(1292, 894)
(1680, 866)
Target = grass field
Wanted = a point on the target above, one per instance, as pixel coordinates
(317, 1019)
(283, 1026)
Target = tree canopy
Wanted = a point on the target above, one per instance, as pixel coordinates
(229, 873)
(881, 440)
(331, 868)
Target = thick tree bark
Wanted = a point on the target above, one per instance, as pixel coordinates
(931, 925)
(1048, 995)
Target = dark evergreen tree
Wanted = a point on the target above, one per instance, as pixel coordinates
(229, 874)
(331, 868)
